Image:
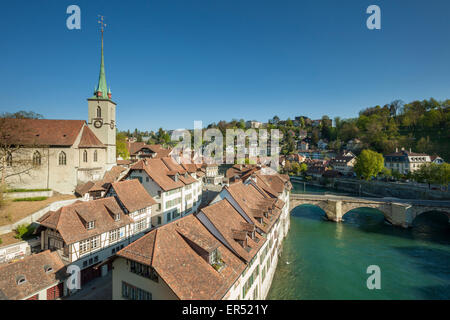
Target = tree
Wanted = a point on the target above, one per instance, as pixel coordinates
(13, 161)
(289, 122)
(121, 146)
(433, 173)
(369, 164)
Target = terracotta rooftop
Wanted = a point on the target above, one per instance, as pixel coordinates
(89, 139)
(132, 195)
(70, 221)
(135, 147)
(163, 171)
(42, 132)
(33, 270)
(175, 252)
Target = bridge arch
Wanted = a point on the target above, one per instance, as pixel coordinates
(416, 212)
(384, 209)
(317, 203)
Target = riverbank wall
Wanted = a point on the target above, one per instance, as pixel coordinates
(379, 188)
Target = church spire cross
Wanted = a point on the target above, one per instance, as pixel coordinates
(101, 90)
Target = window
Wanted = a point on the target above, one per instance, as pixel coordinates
(114, 235)
(85, 156)
(95, 156)
(21, 280)
(99, 112)
(159, 219)
(140, 225)
(173, 202)
(89, 244)
(90, 225)
(36, 158)
(95, 242)
(133, 293)
(62, 158)
(9, 159)
(143, 270)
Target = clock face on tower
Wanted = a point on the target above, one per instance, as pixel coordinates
(98, 123)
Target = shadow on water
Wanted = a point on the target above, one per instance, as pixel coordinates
(431, 226)
(309, 211)
(434, 292)
(432, 260)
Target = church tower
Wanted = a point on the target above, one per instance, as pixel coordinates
(102, 113)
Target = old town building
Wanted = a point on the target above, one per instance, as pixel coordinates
(228, 250)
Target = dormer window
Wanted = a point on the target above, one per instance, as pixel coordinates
(117, 217)
(21, 280)
(90, 225)
(215, 259)
(175, 177)
(48, 268)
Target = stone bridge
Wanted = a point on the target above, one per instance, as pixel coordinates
(399, 212)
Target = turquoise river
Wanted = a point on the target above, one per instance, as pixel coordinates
(328, 260)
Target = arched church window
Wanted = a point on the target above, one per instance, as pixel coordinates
(9, 159)
(36, 158)
(99, 112)
(62, 159)
(95, 156)
(85, 156)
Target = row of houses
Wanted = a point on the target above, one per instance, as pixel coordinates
(87, 233)
(402, 161)
(148, 227)
(227, 250)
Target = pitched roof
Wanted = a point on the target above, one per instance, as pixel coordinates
(135, 147)
(70, 220)
(89, 139)
(229, 223)
(174, 251)
(255, 204)
(41, 132)
(32, 268)
(132, 195)
(162, 171)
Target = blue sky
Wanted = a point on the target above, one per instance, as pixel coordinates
(170, 62)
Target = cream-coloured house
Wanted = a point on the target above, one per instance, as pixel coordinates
(405, 161)
(60, 154)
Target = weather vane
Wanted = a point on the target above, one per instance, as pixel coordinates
(102, 23)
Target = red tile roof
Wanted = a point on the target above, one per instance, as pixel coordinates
(162, 171)
(132, 195)
(41, 132)
(32, 268)
(70, 221)
(89, 139)
(173, 250)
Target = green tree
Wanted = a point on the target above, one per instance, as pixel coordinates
(121, 146)
(369, 164)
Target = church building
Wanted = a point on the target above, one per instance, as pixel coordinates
(60, 154)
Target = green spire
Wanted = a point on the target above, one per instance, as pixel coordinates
(101, 91)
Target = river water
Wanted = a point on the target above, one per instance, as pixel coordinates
(328, 260)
